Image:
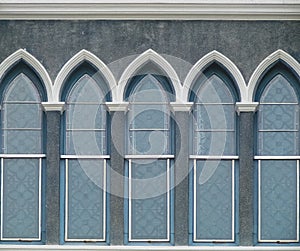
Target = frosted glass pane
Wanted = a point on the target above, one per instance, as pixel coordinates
(22, 141)
(279, 90)
(149, 204)
(86, 90)
(22, 116)
(86, 116)
(279, 117)
(149, 142)
(21, 198)
(214, 90)
(22, 89)
(85, 199)
(278, 143)
(215, 143)
(278, 200)
(149, 90)
(213, 200)
(149, 117)
(86, 142)
(215, 117)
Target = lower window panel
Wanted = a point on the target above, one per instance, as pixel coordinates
(214, 201)
(85, 206)
(149, 200)
(278, 200)
(21, 199)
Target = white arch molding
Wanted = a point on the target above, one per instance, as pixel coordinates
(81, 56)
(149, 56)
(263, 66)
(22, 54)
(206, 60)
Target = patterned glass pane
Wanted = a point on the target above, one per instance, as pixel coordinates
(279, 117)
(149, 212)
(149, 142)
(22, 110)
(214, 90)
(279, 90)
(88, 116)
(149, 117)
(22, 141)
(149, 90)
(149, 123)
(86, 119)
(86, 199)
(215, 143)
(278, 143)
(215, 117)
(20, 198)
(88, 142)
(213, 187)
(86, 90)
(278, 200)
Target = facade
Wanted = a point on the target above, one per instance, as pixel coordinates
(169, 125)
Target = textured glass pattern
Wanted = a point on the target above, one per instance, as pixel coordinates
(278, 200)
(214, 119)
(149, 118)
(149, 213)
(22, 117)
(148, 89)
(20, 198)
(279, 90)
(85, 119)
(278, 119)
(85, 199)
(213, 200)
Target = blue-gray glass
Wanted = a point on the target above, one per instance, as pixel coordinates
(21, 198)
(214, 90)
(279, 90)
(278, 143)
(149, 142)
(214, 200)
(148, 118)
(22, 117)
(215, 117)
(150, 90)
(85, 199)
(86, 142)
(278, 119)
(215, 143)
(149, 215)
(85, 119)
(278, 200)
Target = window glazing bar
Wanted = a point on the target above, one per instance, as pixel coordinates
(296, 157)
(85, 156)
(212, 157)
(22, 156)
(141, 156)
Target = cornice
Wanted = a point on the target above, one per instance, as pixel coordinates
(143, 10)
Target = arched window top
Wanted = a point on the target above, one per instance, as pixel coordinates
(21, 89)
(86, 90)
(214, 90)
(148, 88)
(88, 83)
(279, 90)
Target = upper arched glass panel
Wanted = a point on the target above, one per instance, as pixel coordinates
(85, 118)
(278, 118)
(149, 116)
(22, 117)
(214, 118)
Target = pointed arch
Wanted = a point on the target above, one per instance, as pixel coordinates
(29, 59)
(80, 57)
(203, 63)
(265, 64)
(146, 57)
